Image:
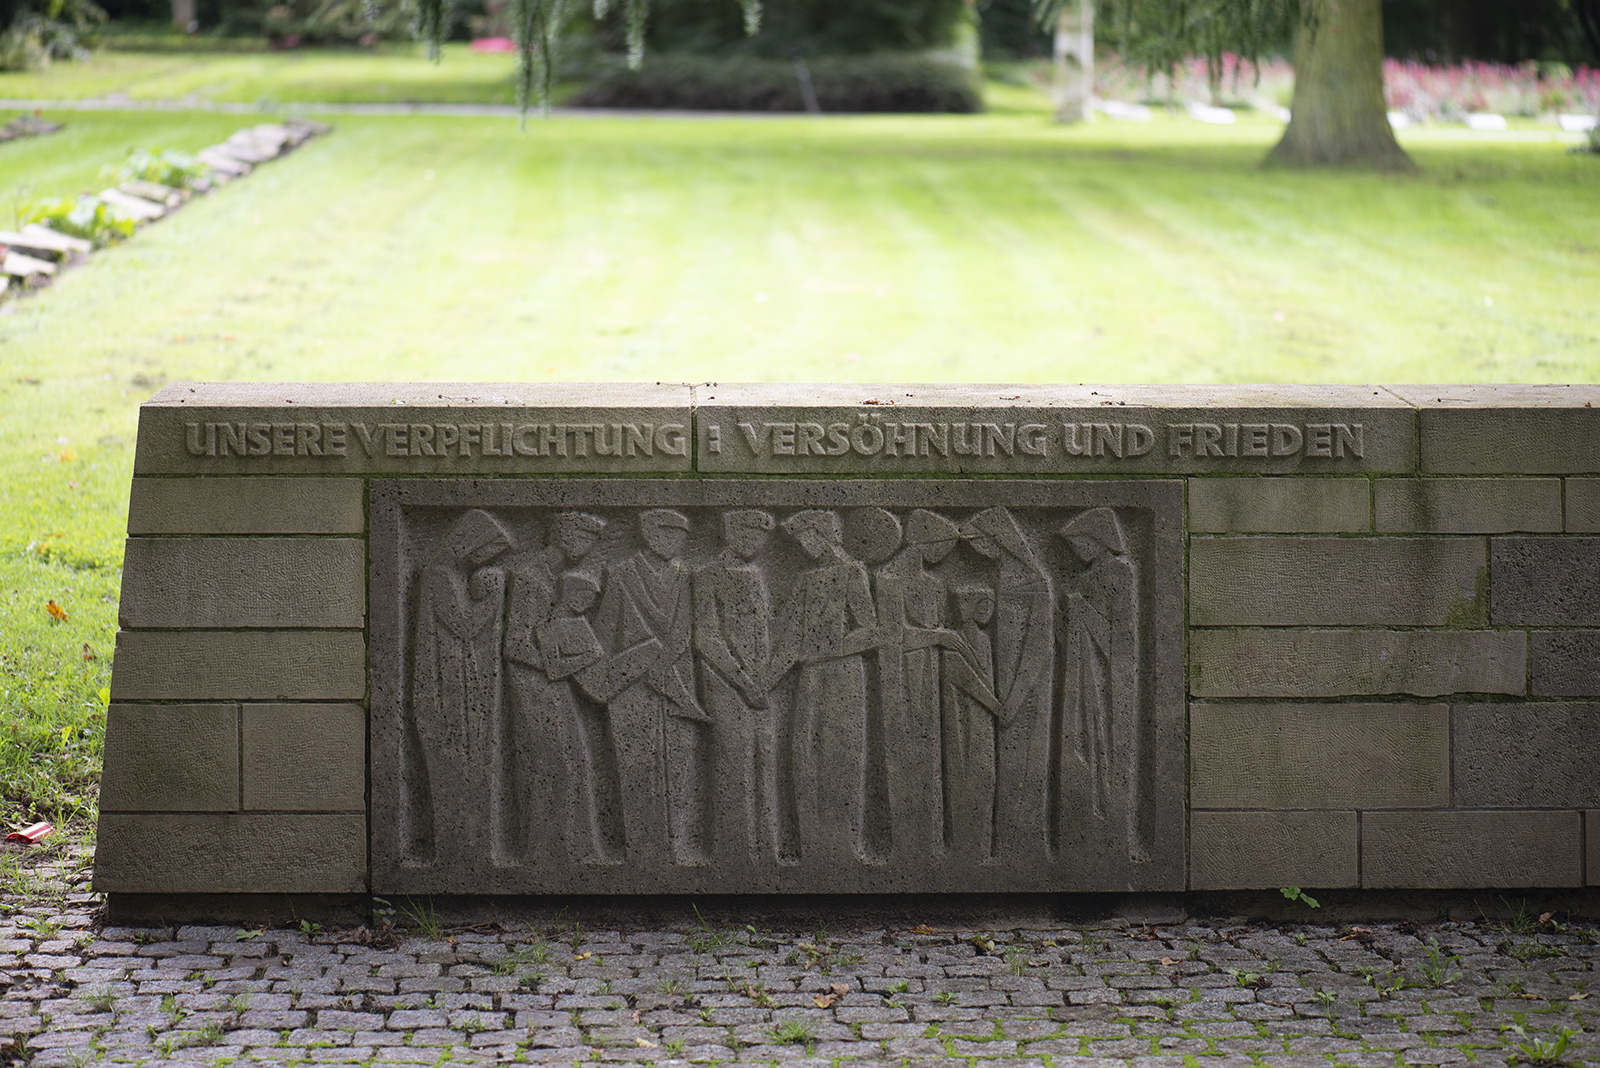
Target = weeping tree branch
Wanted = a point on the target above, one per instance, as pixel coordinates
(537, 26)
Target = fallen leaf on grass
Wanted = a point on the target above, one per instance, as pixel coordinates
(88, 653)
(57, 613)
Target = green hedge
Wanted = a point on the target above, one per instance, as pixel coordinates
(889, 83)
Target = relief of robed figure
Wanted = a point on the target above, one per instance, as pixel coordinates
(1100, 677)
(732, 638)
(970, 722)
(454, 724)
(645, 624)
(914, 645)
(557, 729)
(1024, 655)
(823, 633)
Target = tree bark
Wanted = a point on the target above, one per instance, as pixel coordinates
(1074, 61)
(1338, 117)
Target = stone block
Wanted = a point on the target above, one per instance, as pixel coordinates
(1506, 430)
(1565, 663)
(305, 757)
(786, 686)
(1280, 505)
(282, 505)
(1542, 754)
(283, 665)
(236, 853)
(1583, 505)
(1035, 429)
(1467, 505)
(1545, 581)
(1461, 850)
(1288, 756)
(1591, 823)
(244, 582)
(1257, 850)
(1349, 663)
(554, 428)
(1311, 581)
(171, 758)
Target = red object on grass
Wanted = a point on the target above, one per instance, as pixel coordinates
(493, 44)
(31, 835)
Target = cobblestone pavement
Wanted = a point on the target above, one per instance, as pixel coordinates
(1198, 994)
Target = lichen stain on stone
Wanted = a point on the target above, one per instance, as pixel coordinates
(1474, 612)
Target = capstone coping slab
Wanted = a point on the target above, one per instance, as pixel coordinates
(1031, 429)
(1506, 430)
(428, 428)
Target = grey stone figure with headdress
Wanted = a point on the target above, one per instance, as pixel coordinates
(824, 630)
(1024, 655)
(1100, 675)
(454, 726)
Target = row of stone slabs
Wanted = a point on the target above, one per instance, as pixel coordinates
(31, 256)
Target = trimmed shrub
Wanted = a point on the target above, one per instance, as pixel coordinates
(883, 83)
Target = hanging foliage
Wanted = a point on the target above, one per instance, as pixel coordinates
(1161, 34)
(430, 21)
(537, 26)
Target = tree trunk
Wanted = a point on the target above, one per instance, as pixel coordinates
(1338, 117)
(1074, 61)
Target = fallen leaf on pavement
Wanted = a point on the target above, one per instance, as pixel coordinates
(824, 1000)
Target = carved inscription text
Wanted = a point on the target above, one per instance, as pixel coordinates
(444, 440)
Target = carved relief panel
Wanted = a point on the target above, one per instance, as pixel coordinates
(642, 685)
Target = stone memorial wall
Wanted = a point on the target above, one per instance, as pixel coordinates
(446, 639)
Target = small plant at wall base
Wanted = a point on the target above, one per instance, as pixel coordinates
(1297, 896)
(1541, 1051)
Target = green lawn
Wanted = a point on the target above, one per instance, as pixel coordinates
(399, 74)
(992, 248)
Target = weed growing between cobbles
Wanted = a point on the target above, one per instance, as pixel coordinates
(1201, 994)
